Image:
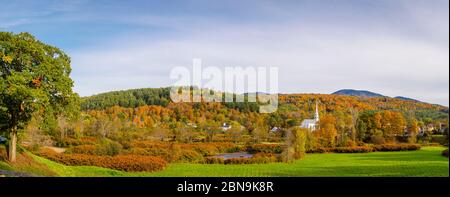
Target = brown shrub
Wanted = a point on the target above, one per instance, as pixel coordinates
(189, 156)
(318, 150)
(70, 141)
(214, 160)
(167, 149)
(88, 140)
(83, 149)
(266, 148)
(377, 140)
(129, 163)
(257, 158)
(367, 149)
(265, 158)
(396, 147)
(354, 149)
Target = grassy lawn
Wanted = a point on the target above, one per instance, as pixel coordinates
(425, 162)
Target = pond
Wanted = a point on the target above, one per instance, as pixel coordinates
(237, 155)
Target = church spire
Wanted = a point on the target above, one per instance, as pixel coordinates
(316, 115)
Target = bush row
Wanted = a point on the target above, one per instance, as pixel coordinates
(104, 147)
(175, 152)
(353, 149)
(76, 141)
(396, 147)
(205, 149)
(367, 149)
(129, 163)
(266, 148)
(256, 159)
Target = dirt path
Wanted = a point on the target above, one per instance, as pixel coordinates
(56, 149)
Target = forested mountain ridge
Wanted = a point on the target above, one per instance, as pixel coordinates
(153, 106)
(406, 98)
(161, 97)
(128, 98)
(344, 120)
(362, 93)
(369, 94)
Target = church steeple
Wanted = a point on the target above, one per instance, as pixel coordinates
(316, 115)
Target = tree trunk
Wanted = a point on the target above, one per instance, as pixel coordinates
(12, 145)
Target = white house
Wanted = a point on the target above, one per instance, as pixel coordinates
(275, 129)
(311, 124)
(225, 127)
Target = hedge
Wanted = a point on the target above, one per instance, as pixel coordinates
(205, 149)
(367, 149)
(396, 147)
(266, 148)
(256, 159)
(353, 149)
(129, 163)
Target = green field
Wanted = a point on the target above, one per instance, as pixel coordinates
(425, 162)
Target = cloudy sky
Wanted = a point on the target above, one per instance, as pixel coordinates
(393, 47)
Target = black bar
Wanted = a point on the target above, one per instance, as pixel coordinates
(306, 185)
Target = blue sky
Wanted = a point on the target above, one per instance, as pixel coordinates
(394, 47)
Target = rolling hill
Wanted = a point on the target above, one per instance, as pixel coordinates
(361, 93)
(369, 94)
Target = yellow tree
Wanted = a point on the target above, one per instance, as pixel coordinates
(327, 132)
(412, 129)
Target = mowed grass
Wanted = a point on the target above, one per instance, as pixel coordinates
(425, 162)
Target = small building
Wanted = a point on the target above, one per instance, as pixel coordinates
(275, 129)
(225, 126)
(193, 125)
(312, 124)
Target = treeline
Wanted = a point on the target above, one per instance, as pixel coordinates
(149, 96)
(344, 120)
(203, 122)
(291, 102)
(127, 98)
(193, 132)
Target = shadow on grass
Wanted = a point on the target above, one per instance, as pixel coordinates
(421, 155)
(376, 171)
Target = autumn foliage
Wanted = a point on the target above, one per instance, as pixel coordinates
(266, 148)
(367, 149)
(396, 147)
(129, 163)
(256, 159)
(144, 123)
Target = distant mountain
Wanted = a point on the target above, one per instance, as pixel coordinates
(365, 93)
(406, 98)
(361, 93)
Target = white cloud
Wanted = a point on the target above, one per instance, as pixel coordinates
(394, 48)
(309, 59)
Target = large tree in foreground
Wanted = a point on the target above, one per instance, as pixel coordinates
(34, 77)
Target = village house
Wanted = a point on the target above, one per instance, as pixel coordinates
(225, 127)
(312, 124)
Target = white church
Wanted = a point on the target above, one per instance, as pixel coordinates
(312, 124)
